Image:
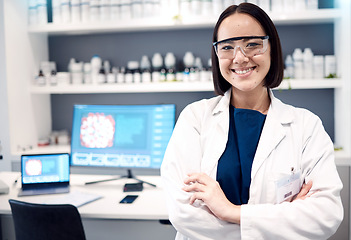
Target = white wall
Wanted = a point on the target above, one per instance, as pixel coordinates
(5, 163)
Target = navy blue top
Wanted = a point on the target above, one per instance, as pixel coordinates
(234, 166)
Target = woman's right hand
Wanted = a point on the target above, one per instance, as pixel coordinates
(304, 192)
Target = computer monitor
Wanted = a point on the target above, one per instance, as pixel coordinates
(122, 136)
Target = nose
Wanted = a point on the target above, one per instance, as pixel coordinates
(239, 56)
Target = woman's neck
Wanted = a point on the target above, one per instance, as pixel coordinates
(258, 99)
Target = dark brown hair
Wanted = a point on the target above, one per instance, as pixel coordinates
(275, 74)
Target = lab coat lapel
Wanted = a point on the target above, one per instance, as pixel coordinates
(272, 133)
(218, 135)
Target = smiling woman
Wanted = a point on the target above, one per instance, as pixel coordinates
(244, 165)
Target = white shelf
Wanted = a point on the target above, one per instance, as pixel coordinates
(172, 87)
(305, 17)
(45, 150)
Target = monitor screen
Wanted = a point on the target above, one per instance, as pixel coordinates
(126, 136)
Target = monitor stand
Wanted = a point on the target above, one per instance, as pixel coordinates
(129, 176)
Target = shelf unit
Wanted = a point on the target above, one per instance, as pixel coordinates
(306, 17)
(172, 87)
(27, 46)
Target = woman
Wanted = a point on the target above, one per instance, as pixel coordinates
(244, 165)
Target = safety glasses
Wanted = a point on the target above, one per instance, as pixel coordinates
(250, 46)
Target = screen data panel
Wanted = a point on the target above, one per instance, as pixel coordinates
(128, 136)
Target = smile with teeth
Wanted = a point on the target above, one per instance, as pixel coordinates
(243, 71)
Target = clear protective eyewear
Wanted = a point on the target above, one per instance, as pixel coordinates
(250, 46)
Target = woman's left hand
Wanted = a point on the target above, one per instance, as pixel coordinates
(209, 191)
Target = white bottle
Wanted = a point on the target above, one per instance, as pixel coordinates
(32, 12)
(111, 76)
(217, 7)
(157, 63)
(330, 66)
(121, 75)
(318, 67)
(85, 10)
(95, 68)
(277, 6)
(75, 11)
(94, 10)
(145, 68)
(196, 6)
(312, 4)
(185, 8)
(288, 6)
(126, 11)
(137, 9)
(206, 8)
(300, 5)
(308, 63)
(265, 5)
(77, 73)
(298, 63)
(56, 11)
(105, 10)
(66, 11)
(115, 10)
(289, 67)
(87, 73)
(42, 12)
(189, 60)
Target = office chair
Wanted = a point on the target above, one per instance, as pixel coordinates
(46, 221)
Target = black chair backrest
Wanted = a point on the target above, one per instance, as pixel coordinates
(46, 221)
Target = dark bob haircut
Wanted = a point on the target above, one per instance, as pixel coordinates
(275, 74)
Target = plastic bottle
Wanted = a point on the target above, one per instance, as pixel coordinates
(312, 4)
(85, 10)
(42, 12)
(56, 11)
(115, 10)
(40, 79)
(94, 10)
(95, 68)
(75, 11)
(188, 59)
(32, 12)
(105, 10)
(217, 7)
(277, 5)
(137, 9)
(66, 11)
(111, 76)
(121, 75)
(87, 73)
(330, 66)
(308, 63)
(196, 6)
(265, 5)
(145, 68)
(76, 70)
(126, 11)
(101, 76)
(157, 63)
(185, 8)
(300, 5)
(318, 67)
(289, 67)
(298, 63)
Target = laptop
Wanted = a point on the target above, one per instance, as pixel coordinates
(44, 174)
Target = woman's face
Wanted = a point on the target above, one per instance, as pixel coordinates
(242, 72)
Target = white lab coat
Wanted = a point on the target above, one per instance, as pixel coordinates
(292, 140)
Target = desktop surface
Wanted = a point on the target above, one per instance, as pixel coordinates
(150, 204)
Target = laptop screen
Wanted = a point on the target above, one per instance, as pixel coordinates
(45, 169)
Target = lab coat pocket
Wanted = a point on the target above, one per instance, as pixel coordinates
(283, 186)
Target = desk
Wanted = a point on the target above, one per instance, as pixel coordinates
(104, 218)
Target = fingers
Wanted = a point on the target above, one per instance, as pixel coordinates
(305, 189)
